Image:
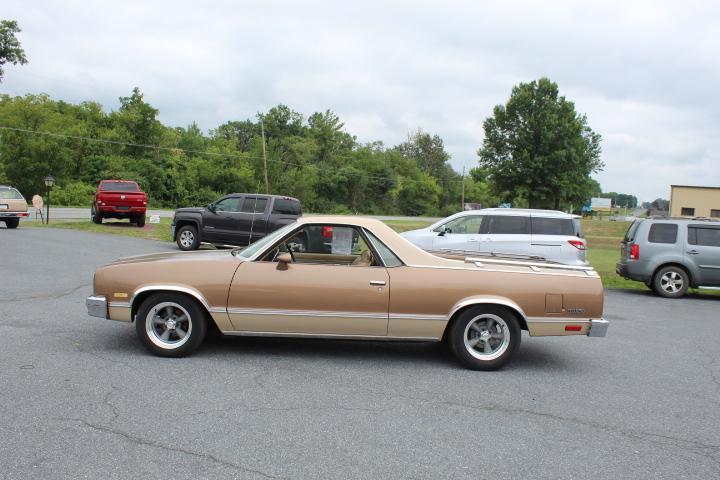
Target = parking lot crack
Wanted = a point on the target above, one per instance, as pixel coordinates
(155, 444)
(113, 408)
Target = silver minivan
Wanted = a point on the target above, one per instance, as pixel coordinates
(550, 234)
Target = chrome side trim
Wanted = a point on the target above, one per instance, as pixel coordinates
(558, 320)
(588, 274)
(487, 301)
(518, 263)
(119, 304)
(304, 313)
(172, 288)
(97, 306)
(412, 316)
(331, 336)
(217, 310)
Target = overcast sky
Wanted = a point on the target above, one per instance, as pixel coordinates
(645, 73)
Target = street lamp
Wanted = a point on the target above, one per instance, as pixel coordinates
(49, 182)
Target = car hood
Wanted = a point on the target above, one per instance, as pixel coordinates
(176, 257)
(190, 210)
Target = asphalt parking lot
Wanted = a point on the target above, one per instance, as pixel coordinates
(81, 398)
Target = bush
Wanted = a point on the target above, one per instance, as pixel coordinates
(73, 194)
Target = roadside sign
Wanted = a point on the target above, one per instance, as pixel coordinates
(601, 204)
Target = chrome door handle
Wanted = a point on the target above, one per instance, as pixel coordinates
(693, 252)
(472, 239)
(377, 282)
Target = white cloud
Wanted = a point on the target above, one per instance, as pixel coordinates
(645, 73)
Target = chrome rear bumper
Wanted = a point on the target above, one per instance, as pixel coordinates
(97, 306)
(598, 327)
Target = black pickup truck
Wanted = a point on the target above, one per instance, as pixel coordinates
(237, 219)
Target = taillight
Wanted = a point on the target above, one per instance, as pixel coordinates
(635, 252)
(327, 232)
(579, 244)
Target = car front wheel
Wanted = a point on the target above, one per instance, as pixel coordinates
(187, 238)
(484, 337)
(171, 324)
(671, 282)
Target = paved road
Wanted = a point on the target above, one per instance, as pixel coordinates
(80, 397)
(66, 213)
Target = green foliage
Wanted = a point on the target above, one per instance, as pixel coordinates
(10, 49)
(538, 148)
(316, 160)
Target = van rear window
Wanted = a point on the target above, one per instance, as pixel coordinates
(287, 206)
(663, 233)
(553, 226)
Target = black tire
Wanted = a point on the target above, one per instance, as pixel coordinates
(140, 220)
(12, 222)
(671, 282)
(188, 241)
(471, 324)
(95, 215)
(174, 307)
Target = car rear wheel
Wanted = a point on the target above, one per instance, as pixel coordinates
(95, 215)
(671, 282)
(171, 324)
(140, 220)
(12, 222)
(187, 238)
(484, 337)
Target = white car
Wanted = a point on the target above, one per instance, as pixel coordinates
(550, 234)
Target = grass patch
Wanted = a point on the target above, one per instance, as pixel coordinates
(405, 225)
(151, 231)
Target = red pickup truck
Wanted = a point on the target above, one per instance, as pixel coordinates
(119, 199)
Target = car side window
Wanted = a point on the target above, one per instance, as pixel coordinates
(229, 204)
(553, 226)
(327, 245)
(465, 224)
(704, 236)
(388, 257)
(254, 205)
(506, 224)
(663, 233)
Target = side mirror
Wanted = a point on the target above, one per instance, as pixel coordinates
(444, 231)
(283, 259)
(211, 207)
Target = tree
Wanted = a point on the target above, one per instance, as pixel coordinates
(537, 147)
(10, 49)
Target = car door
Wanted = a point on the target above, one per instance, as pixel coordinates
(337, 291)
(219, 222)
(505, 234)
(703, 249)
(252, 219)
(460, 233)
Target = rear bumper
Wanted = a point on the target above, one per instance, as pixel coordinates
(121, 210)
(97, 306)
(629, 271)
(4, 214)
(598, 327)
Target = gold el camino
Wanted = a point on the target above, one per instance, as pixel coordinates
(348, 278)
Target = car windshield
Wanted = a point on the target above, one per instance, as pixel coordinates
(253, 248)
(10, 194)
(119, 187)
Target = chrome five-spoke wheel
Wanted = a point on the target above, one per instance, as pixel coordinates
(486, 336)
(168, 325)
(171, 324)
(671, 282)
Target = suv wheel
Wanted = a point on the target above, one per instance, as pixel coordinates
(187, 238)
(671, 282)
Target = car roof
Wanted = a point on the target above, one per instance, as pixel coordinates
(514, 212)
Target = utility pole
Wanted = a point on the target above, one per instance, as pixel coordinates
(462, 196)
(262, 132)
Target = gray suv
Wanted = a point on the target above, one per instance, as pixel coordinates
(672, 254)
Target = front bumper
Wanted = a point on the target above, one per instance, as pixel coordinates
(97, 306)
(598, 327)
